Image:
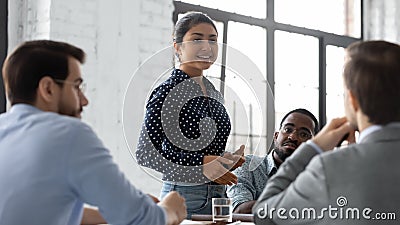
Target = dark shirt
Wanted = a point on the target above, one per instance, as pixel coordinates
(181, 126)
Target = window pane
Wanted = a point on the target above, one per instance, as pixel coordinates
(246, 109)
(334, 82)
(246, 112)
(251, 41)
(251, 144)
(341, 17)
(246, 87)
(296, 73)
(254, 8)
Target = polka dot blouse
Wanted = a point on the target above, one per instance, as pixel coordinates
(181, 126)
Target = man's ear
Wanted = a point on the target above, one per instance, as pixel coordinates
(276, 135)
(46, 89)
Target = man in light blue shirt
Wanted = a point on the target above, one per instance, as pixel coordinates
(296, 127)
(51, 164)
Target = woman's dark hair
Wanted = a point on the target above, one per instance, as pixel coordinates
(188, 21)
(33, 60)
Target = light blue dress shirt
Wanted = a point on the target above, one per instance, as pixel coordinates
(50, 165)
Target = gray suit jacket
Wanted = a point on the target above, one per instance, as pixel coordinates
(358, 184)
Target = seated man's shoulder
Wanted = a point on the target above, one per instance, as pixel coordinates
(255, 158)
(67, 129)
(62, 123)
(252, 162)
(64, 119)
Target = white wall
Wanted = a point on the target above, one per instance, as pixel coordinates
(382, 20)
(117, 36)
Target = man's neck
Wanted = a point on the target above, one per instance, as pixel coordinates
(362, 121)
(42, 105)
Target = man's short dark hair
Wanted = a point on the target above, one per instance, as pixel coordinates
(304, 112)
(372, 74)
(33, 60)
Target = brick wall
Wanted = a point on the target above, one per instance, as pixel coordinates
(28, 19)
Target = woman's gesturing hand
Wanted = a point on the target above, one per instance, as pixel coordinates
(214, 169)
(217, 168)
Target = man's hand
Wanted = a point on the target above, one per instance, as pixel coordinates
(214, 170)
(175, 207)
(245, 207)
(333, 132)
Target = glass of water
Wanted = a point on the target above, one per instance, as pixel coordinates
(222, 209)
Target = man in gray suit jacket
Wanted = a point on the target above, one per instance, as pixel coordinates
(357, 184)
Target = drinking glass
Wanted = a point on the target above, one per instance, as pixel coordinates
(222, 209)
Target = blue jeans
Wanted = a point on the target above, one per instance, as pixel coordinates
(198, 197)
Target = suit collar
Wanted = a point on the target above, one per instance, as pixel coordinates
(368, 131)
(388, 132)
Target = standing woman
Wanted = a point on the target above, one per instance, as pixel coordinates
(186, 126)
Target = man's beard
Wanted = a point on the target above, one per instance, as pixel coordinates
(282, 154)
(73, 113)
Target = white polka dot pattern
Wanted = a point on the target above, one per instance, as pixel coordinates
(181, 126)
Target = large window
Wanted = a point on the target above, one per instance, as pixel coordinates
(298, 49)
